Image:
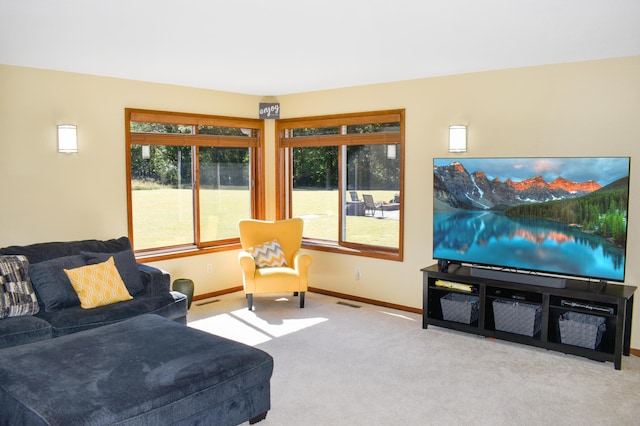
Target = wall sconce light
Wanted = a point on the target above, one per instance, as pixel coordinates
(391, 152)
(146, 152)
(457, 138)
(67, 138)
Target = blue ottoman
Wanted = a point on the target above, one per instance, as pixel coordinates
(144, 371)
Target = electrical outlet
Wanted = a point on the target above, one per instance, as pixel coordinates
(358, 272)
(209, 268)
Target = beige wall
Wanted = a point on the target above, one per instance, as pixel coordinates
(580, 109)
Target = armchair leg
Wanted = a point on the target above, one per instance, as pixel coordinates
(250, 301)
(302, 299)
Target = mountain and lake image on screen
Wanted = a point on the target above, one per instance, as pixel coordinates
(565, 216)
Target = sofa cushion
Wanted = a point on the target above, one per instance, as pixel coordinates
(16, 331)
(268, 254)
(52, 285)
(126, 264)
(40, 252)
(98, 285)
(171, 305)
(144, 371)
(17, 297)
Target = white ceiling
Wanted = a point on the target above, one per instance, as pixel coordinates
(276, 47)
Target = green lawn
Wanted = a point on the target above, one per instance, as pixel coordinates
(163, 217)
(320, 212)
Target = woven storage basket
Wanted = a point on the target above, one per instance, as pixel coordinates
(459, 307)
(516, 317)
(581, 329)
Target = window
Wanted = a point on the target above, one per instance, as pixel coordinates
(343, 174)
(190, 179)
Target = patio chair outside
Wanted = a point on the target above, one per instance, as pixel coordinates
(371, 205)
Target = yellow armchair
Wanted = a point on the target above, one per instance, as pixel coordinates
(293, 277)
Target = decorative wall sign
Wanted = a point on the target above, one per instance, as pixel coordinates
(269, 110)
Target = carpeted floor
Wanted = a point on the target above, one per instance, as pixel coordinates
(339, 362)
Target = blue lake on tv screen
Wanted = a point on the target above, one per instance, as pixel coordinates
(490, 238)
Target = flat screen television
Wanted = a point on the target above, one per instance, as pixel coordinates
(554, 216)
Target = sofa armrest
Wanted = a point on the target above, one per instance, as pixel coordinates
(248, 265)
(155, 281)
(247, 262)
(301, 261)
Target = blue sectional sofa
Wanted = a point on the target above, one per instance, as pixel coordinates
(59, 310)
(131, 362)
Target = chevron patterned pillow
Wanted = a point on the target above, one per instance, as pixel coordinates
(268, 254)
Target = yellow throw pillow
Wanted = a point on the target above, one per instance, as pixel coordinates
(98, 284)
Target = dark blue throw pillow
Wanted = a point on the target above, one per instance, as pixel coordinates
(125, 264)
(52, 286)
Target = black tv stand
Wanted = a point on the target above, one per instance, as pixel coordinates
(597, 286)
(613, 302)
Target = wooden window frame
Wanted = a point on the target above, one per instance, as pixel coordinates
(255, 143)
(284, 185)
